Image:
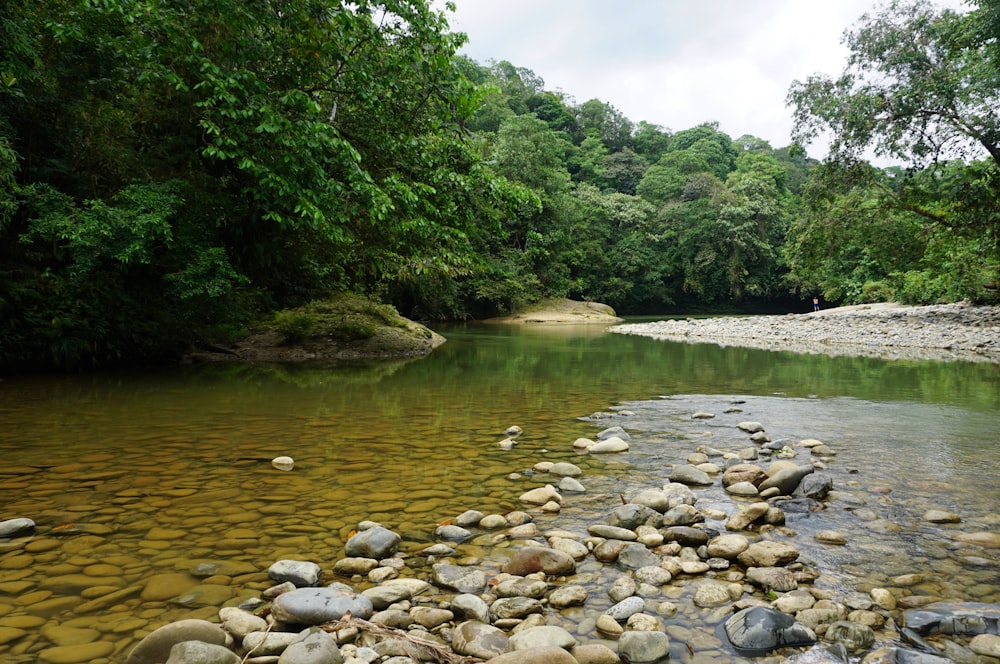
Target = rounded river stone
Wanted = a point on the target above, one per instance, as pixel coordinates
(377, 542)
(16, 527)
(531, 559)
(315, 606)
(156, 646)
(760, 629)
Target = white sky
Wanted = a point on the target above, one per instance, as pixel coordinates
(674, 63)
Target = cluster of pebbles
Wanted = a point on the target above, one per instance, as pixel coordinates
(936, 332)
(499, 588)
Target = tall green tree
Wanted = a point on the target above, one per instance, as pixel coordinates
(176, 161)
(921, 86)
(601, 119)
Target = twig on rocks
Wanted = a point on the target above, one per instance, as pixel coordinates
(251, 651)
(440, 653)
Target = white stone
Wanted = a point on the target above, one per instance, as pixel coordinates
(609, 445)
(541, 495)
(283, 462)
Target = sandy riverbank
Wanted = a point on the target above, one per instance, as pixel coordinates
(887, 330)
(562, 311)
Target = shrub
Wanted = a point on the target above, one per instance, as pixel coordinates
(295, 325)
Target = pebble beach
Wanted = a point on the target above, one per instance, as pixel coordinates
(942, 332)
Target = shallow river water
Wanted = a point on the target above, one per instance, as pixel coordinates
(155, 499)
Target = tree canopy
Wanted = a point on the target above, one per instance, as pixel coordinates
(921, 86)
(170, 171)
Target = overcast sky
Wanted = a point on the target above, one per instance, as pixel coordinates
(674, 63)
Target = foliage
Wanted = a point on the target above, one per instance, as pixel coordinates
(921, 85)
(171, 172)
(339, 316)
(168, 167)
(294, 325)
(913, 89)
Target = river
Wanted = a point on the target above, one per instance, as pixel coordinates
(136, 478)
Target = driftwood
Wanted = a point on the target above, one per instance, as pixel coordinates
(426, 648)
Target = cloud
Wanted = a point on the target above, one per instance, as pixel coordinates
(674, 63)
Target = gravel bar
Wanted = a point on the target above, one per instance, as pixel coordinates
(939, 332)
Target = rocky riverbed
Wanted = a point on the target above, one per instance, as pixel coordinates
(891, 331)
(723, 561)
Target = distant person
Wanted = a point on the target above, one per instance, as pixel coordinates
(815, 304)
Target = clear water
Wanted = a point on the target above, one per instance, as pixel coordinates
(134, 478)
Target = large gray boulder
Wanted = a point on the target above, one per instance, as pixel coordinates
(635, 555)
(953, 618)
(315, 606)
(761, 629)
(815, 486)
(786, 480)
(633, 515)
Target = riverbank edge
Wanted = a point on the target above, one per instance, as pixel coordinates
(561, 311)
(888, 330)
(342, 327)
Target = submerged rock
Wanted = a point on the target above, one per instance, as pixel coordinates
(155, 647)
(955, 618)
(760, 629)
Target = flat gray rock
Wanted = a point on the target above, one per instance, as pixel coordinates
(315, 606)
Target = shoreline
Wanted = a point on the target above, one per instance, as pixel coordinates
(941, 332)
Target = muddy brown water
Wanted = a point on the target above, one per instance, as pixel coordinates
(155, 499)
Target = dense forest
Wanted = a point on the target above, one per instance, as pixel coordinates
(171, 171)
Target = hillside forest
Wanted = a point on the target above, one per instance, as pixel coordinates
(171, 172)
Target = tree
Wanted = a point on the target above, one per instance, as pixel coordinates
(528, 152)
(753, 226)
(915, 88)
(921, 86)
(603, 120)
(179, 164)
(666, 180)
(624, 170)
(650, 141)
(552, 108)
(845, 245)
(518, 84)
(587, 162)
